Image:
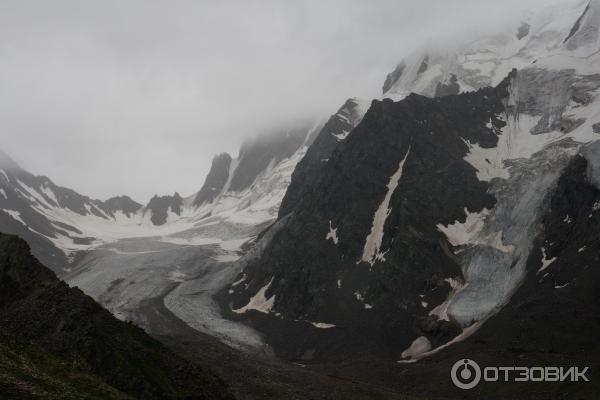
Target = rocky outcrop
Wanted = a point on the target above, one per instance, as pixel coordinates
(335, 130)
(393, 77)
(159, 208)
(123, 204)
(257, 154)
(215, 180)
(447, 88)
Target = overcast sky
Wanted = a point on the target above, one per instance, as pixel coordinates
(135, 97)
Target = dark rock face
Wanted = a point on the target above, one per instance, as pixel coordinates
(596, 127)
(443, 89)
(562, 290)
(393, 77)
(122, 203)
(577, 24)
(215, 180)
(553, 319)
(561, 87)
(160, 206)
(307, 170)
(563, 296)
(318, 265)
(36, 307)
(256, 155)
(396, 74)
(523, 30)
(424, 65)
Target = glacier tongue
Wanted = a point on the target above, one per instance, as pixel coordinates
(552, 110)
(533, 148)
(160, 275)
(492, 273)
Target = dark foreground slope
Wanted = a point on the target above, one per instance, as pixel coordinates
(28, 372)
(56, 342)
(253, 378)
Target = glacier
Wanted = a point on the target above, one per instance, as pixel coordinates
(550, 115)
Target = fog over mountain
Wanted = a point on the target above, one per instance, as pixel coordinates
(401, 199)
(136, 97)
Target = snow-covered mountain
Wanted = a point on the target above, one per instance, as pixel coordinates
(558, 37)
(60, 222)
(425, 223)
(56, 221)
(123, 253)
(552, 110)
(427, 219)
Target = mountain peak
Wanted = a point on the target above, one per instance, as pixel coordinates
(215, 180)
(122, 203)
(160, 206)
(262, 151)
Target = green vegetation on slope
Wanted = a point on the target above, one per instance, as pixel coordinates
(78, 344)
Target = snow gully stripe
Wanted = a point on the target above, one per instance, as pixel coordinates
(371, 251)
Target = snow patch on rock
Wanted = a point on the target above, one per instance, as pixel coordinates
(471, 232)
(322, 325)
(466, 333)
(332, 234)
(419, 346)
(259, 301)
(15, 215)
(441, 311)
(372, 249)
(545, 260)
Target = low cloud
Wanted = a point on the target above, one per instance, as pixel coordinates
(134, 97)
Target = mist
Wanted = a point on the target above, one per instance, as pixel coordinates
(135, 97)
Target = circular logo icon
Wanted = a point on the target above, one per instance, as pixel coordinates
(465, 374)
